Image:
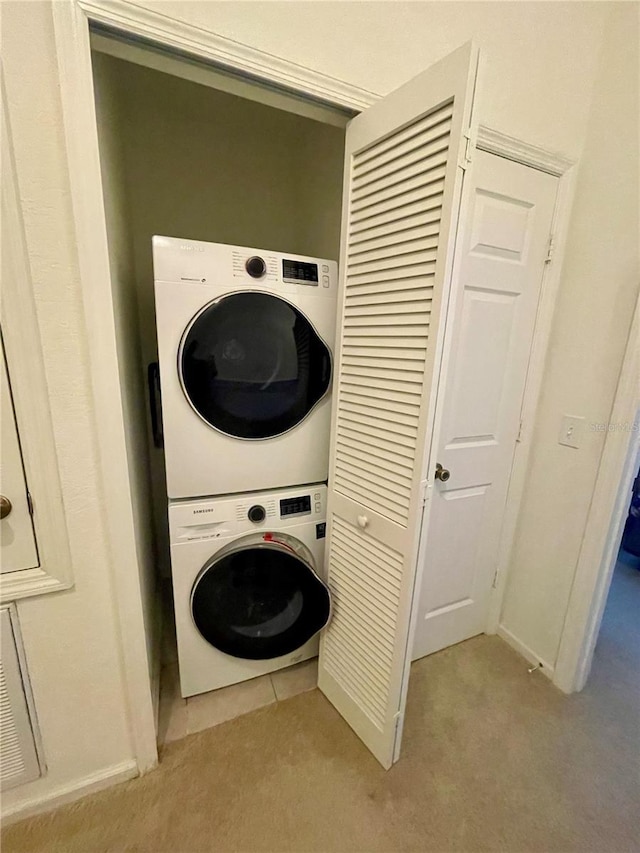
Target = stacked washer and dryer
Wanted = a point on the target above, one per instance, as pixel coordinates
(245, 339)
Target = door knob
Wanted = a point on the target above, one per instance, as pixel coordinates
(5, 506)
(362, 521)
(442, 474)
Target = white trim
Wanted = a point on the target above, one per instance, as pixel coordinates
(603, 530)
(496, 142)
(202, 44)
(527, 653)
(71, 29)
(25, 364)
(210, 75)
(69, 793)
(529, 155)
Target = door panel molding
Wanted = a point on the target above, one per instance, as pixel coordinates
(565, 169)
(25, 363)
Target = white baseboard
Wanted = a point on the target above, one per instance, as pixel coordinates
(64, 794)
(524, 650)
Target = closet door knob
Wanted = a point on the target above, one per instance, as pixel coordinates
(5, 506)
(363, 521)
(442, 474)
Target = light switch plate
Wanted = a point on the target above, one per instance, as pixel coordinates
(571, 431)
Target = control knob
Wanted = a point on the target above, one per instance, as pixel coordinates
(255, 266)
(257, 514)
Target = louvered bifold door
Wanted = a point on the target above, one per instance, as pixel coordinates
(404, 166)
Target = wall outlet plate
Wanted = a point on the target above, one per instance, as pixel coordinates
(571, 430)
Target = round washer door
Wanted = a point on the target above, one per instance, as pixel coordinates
(260, 598)
(252, 365)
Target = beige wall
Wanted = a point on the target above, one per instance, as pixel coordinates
(71, 642)
(111, 130)
(598, 292)
(205, 165)
(538, 59)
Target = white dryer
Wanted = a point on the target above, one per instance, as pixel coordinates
(248, 585)
(245, 340)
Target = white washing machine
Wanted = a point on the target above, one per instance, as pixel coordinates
(248, 584)
(245, 340)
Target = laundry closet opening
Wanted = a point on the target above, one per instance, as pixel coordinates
(185, 159)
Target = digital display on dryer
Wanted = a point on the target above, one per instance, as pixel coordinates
(295, 506)
(300, 271)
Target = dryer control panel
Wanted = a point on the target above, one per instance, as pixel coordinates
(199, 262)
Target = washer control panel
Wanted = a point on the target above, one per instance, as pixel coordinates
(219, 518)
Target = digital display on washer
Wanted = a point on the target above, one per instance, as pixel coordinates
(300, 271)
(295, 506)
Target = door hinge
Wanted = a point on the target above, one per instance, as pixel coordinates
(30, 502)
(494, 582)
(469, 145)
(425, 486)
(519, 435)
(550, 249)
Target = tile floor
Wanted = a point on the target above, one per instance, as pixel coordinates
(178, 717)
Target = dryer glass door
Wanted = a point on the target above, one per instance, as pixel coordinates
(252, 365)
(259, 602)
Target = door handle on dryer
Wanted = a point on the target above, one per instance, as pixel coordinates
(153, 380)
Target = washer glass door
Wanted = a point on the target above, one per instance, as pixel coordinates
(252, 365)
(260, 601)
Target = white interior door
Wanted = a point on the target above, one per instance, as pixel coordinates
(505, 238)
(404, 167)
(17, 537)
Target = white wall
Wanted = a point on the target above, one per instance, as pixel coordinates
(593, 315)
(71, 641)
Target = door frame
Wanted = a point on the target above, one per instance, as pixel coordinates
(72, 38)
(71, 21)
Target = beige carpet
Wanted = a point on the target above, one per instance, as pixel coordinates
(494, 759)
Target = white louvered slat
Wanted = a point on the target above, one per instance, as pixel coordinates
(417, 145)
(413, 166)
(375, 368)
(400, 137)
(11, 756)
(388, 198)
(395, 240)
(419, 242)
(401, 191)
(377, 449)
(425, 200)
(413, 284)
(358, 427)
(18, 757)
(364, 653)
(420, 255)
